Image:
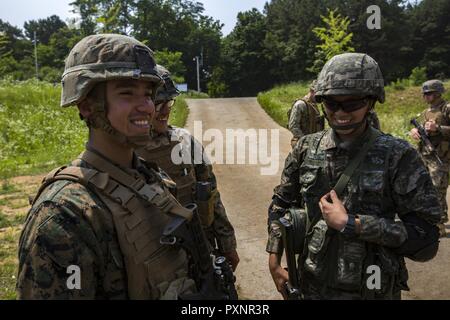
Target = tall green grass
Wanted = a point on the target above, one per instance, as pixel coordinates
(402, 103)
(37, 134)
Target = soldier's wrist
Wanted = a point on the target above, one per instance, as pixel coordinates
(353, 225)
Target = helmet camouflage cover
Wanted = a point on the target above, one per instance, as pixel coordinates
(168, 91)
(103, 57)
(433, 86)
(350, 74)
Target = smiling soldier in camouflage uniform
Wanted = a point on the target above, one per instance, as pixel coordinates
(305, 118)
(356, 226)
(436, 121)
(196, 182)
(105, 212)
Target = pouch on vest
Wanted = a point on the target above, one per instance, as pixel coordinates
(205, 198)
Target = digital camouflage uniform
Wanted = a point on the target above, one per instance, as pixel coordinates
(440, 113)
(218, 228)
(391, 181)
(94, 214)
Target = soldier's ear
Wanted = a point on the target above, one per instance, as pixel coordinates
(85, 108)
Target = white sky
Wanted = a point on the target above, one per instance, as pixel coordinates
(16, 12)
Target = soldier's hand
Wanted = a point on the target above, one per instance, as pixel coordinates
(414, 134)
(279, 275)
(333, 211)
(233, 258)
(430, 126)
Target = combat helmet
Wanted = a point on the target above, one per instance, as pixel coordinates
(168, 91)
(433, 86)
(351, 74)
(99, 58)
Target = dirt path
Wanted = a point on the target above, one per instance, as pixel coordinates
(246, 195)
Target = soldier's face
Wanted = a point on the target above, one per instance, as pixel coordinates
(161, 119)
(130, 107)
(430, 97)
(345, 118)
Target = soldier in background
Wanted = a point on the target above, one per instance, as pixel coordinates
(436, 121)
(196, 182)
(351, 182)
(305, 117)
(102, 216)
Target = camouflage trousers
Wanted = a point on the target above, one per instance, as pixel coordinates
(439, 176)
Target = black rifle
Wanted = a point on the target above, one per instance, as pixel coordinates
(426, 140)
(213, 275)
(292, 286)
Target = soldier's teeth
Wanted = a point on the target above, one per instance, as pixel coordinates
(140, 122)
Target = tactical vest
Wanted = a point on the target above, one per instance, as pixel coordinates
(335, 261)
(183, 175)
(139, 213)
(438, 114)
(316, 121)
(159, 151)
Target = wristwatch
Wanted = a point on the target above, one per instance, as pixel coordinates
(350, 226)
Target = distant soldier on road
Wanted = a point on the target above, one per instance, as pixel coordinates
(305, 117)
(436, 121)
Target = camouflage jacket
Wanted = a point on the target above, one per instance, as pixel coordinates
(440, 113)
(69, 225)
(391, 180)
(186, 174)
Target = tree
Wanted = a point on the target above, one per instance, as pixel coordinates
(88, 11)
(431, 41)
(172, 62)
(243, 70)
(44, 28)
(335, 38)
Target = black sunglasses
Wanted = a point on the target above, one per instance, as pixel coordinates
(346, 106)
(428, 93)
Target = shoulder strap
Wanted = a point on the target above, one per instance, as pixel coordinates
(128, 187)
(354, 163)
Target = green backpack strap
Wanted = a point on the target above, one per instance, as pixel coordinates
(355, 162)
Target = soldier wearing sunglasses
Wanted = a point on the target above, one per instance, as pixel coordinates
(352, 197)
(195, 182)
(305, 116)
(436, 121)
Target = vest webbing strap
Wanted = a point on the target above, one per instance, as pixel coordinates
(355, 162)
(127, 188)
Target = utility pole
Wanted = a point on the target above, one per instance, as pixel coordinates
(198, 72)
(35, 56)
